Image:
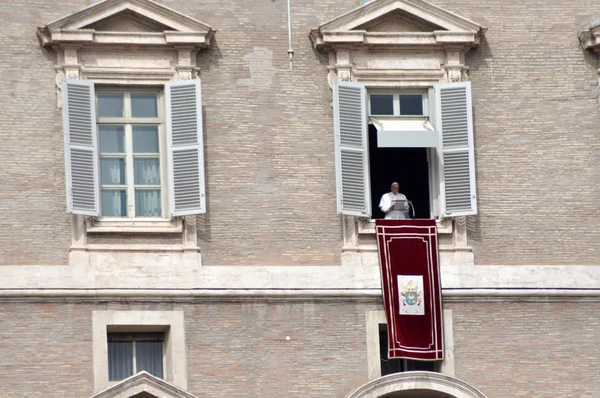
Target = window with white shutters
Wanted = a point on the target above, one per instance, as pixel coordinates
(132, 153)
(422, 139)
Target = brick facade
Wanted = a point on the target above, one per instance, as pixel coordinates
(238, 349)
(269, 146)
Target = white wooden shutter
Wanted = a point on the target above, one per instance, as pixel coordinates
(81, 147)
(185, 148)
(457, 159)
(351, 149)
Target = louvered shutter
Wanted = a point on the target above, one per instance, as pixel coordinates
(185, 148)
(457, 159)
(351, 149)
(81, 147)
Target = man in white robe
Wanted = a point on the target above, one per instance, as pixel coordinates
(394, 204)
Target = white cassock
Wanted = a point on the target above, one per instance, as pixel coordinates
(395, 206)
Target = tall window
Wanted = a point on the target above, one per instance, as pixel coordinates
(130, 353)
(130, 133)
(411, 167)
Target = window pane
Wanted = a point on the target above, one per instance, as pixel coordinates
(149, 357)
(120, 360)
(112, 139)
(382, 104)
(147, 203)
(143, 105)
(110, 105)
(114, 203)
(411, 104)
(112, 171)
(146, 171)
(145, 139)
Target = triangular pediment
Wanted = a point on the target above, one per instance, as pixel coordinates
(397, 22)
(118, 18)
(128, 21)
(143, 385)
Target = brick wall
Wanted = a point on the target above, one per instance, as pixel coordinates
(535, 101)
(269, 145)
(521, 349)
(238, 349)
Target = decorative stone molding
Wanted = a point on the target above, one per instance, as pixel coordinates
(359, 43)
(175, 363)
(398, 23)
(128, 42)
(142, 384)
(398, 44)
(589, 38)
(96, 44)
(413, 381)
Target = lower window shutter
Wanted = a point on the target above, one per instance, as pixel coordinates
(457, 157)
(81, 147)
(351, 149)
(185, 148)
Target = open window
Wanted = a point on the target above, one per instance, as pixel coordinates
(421, 139)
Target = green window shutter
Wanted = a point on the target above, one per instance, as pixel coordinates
(81, 147)
(457, 158)
(351, 149)
(185, 148)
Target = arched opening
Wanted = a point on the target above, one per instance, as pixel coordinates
(417, 385)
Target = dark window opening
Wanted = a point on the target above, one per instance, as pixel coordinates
(389, 366)
(407, 166)
(130, 353)
(411, 104)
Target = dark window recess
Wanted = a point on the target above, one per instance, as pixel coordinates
(130, 353)
(411, 104)
(382, 104)
(407, 166)
(389, 366)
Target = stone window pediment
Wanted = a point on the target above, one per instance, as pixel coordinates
(129, 47)
(398, 23)
(143, 385)
(401, 46)
(114, 22)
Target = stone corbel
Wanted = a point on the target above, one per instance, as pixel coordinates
(186, 64)
(190, 233)
(343, 65)
(68, 67)
(456, 71)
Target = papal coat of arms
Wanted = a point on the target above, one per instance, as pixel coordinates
(411, 294)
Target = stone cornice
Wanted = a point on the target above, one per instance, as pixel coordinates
(181, 29)
(345, 29)
(290, 282)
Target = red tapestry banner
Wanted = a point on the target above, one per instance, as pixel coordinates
(412, 295)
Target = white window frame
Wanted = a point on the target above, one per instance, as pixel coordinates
(169, 322)
(396, 94)
(128, 121)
